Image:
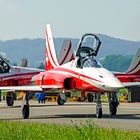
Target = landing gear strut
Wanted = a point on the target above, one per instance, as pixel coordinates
(113, 103)
(98, 106)
(25, 106)
(61, 99)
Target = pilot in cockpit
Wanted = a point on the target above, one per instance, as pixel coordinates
(87, 50)
(4, 68)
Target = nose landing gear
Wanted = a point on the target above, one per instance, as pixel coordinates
(98, 106)
(113, 103)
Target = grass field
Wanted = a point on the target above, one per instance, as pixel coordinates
(29, 131)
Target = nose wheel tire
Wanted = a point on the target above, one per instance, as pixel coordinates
(113, 103)
(25, 112)
(113, 109)
(9, 100)
(99, 111)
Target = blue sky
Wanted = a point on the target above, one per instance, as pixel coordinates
(69, 18)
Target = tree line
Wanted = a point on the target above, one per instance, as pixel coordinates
(117, 62)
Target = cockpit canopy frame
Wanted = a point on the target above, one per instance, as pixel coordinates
(88, 47)
(89, 43)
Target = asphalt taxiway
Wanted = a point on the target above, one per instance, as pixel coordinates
(73, 113)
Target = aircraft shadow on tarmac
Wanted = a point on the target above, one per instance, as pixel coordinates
(78, 116)
(105, 116)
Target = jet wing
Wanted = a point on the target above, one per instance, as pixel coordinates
(31, 88)
(131, 84)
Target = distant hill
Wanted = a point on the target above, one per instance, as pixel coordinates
(34, 49)
(116, 46)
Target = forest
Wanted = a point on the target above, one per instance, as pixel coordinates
(118, 63)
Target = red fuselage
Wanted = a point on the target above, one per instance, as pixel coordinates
(128, 77)
(65, 81)
(17, 79)
(73, 78)
(18, 76)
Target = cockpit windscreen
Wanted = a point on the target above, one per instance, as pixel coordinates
(89, 41)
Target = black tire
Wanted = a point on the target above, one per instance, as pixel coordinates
(60, 101)
(112, 108)
(99, 111)
(9, 100)
(25, 112)
(90, 97)
(14, 96)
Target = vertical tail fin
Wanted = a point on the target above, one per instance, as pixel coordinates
(24, 62)
(51, 61)
(66, 54)
(135, 64)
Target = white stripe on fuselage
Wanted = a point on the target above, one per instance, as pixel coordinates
(64, 73)
(92, 82)
(98, 77)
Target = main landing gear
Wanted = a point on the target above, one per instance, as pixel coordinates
(113, 103)
(25, 106)
(10, 97)
(61, 99)
(98, 106)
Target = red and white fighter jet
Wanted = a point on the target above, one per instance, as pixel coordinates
(84, 73)
(15, 76)
(130, 78)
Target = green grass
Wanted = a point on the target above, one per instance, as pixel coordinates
(29, 131)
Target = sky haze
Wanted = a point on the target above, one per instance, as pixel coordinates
(27, 18)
